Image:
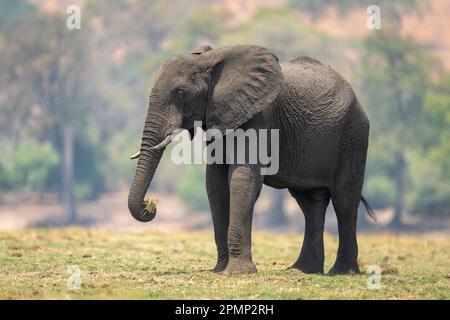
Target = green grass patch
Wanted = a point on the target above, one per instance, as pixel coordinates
(152, 265)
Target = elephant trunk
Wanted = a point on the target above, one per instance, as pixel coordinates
(149, 158)
(147, 164)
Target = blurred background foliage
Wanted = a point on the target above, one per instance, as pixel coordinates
(86, 92)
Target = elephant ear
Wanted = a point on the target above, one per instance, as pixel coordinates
(245, 80)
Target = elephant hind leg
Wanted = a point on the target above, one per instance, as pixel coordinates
(313, 204)
(346, 208)
(346, 195)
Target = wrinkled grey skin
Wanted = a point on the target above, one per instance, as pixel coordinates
(323, 145)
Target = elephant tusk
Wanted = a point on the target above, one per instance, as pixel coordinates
(136, 155)
(164, 143)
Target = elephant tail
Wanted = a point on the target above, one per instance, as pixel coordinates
(369, 209)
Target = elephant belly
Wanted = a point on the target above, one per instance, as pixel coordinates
(306, 161)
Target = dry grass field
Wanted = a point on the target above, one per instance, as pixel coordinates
(36, 264)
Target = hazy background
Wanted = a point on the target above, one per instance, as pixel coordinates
(73, 102)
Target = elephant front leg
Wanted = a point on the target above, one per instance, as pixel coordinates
(245, 183)
(219, 202)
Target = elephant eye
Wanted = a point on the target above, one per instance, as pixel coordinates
(180, 93)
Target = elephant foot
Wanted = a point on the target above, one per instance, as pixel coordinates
(220, 265)
(307, 267)
(344, 268)
(239, 266)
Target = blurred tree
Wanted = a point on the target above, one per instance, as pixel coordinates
(14, 11)
(51, 65)
(279, 30)
(437, 106)
(59, 84)
(395, 77)
(29, 165)
(432, 171)
(32, 162)
(131, 41)
(205, 26)
(392, 10)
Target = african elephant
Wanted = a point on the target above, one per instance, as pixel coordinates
(323, 133)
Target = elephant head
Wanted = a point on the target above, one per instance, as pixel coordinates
(223, 88)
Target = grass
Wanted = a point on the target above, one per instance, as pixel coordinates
(151, 265)
(150, 207)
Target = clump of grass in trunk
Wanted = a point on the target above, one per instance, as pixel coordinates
(150, 207)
